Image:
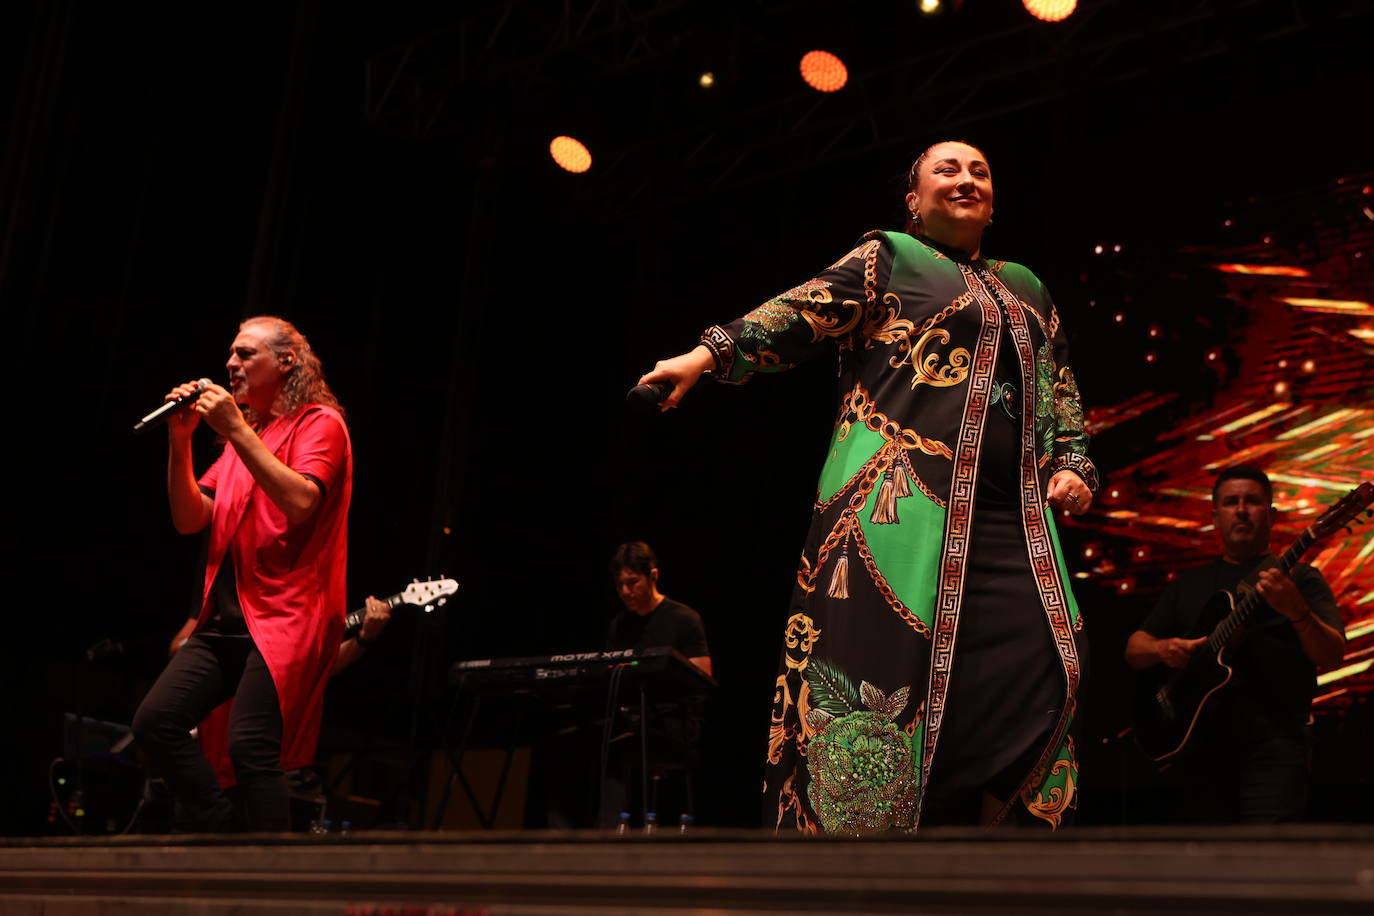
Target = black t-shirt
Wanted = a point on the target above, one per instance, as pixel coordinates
(677, 724)
(1272, 672)
(669, 624)
(227, 620)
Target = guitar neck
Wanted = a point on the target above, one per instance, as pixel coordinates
(1239, 617)
(354, 619)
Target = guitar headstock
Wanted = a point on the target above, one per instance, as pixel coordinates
(1343, 513)
(431, 591)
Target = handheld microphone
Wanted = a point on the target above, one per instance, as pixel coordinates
(170, 407)
(647, 397)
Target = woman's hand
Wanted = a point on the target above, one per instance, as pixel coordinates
(1068, 491)
(683, 371)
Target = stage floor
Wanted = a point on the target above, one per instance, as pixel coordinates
(1293, 870)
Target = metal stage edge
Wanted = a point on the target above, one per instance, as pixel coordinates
(1304, 869)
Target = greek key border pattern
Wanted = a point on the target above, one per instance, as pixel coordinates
(1039, 542)
(1081, 465)
(722, 350)
(958, 519)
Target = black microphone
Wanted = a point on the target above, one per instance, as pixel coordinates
(170, 407)
(647, 397)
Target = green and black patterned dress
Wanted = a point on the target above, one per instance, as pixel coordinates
(932, 649)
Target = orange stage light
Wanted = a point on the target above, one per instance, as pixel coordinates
(823, 71)
(1050, 10)
(1330, 306)
(1264, 270)
(570, 154)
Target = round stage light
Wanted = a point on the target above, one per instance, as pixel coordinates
(929, 7)
(1051, 10)
(706, 80)
(823, 71)
(570, 154)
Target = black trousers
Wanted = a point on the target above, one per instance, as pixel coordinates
(1242, 769)
(208, 670)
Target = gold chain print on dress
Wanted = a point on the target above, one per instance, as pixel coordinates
(860, 403)
(847, 529)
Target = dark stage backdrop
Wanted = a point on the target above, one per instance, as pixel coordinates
(481, 314)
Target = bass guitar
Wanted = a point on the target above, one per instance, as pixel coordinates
(1167, 714)
(429, 594)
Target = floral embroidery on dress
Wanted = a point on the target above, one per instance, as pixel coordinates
(863, 774)
(768, 319)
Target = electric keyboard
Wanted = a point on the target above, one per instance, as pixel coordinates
(659, 666)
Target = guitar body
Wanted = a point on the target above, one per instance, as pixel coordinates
(1167, 713)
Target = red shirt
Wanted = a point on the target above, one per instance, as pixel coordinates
(290, 577)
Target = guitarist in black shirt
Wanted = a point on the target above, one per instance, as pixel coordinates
(1248, 757)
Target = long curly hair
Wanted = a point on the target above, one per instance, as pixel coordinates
(304, 383)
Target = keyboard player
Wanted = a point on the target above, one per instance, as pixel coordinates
(650, 618)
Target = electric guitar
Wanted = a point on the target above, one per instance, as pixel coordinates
(1166, 715)
(429, 594)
